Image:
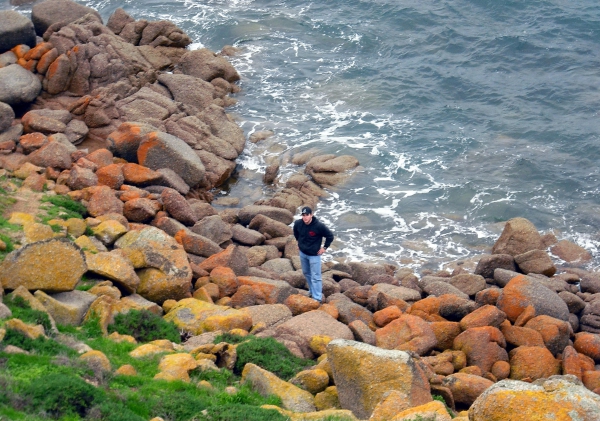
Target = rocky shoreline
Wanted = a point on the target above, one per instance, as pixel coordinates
(126, 121)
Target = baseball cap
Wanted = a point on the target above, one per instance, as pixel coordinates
(306, 210)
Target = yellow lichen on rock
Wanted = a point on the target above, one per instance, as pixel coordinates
(197, 317)
(126, 370)
(96, 360)
(558, 398)
(53, 265)
(336, 414)
(30, 331)
(318, 344)
(434, 410)
(176, 367)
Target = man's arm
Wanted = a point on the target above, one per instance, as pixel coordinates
(328, 236)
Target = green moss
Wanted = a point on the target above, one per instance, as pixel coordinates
(145, 326)
(271, 355)
(62, 207)
(38, 345)
(61, 394)
(229, 338)
(91, 327)
(21, 310)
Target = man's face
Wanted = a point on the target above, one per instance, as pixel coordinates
(307, 218)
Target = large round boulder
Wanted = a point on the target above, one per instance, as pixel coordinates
(523, 291)
(49, 12)
(54, 265)
(18, 86)
(15, 29)
(556, 398)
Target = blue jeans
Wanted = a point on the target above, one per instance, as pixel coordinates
(311, 268)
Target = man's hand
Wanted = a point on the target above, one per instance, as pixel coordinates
(321, 251)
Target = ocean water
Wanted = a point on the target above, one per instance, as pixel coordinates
(463, 114)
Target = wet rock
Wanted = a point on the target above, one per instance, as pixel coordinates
(18, 86)
(53, 265)
(330, 170)
(519, 236)
(571, 252)
(206, 65)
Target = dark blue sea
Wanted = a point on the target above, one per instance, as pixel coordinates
(463, 114)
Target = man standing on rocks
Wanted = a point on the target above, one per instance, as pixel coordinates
(309, 233)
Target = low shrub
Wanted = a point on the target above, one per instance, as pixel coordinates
(271, 355)
(39, 345)
(64, 208)
(62, 394)
(145, 326)
(230, 338)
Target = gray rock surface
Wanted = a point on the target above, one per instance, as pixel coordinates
(49, 12)
(18, 86)
(15, 29)
(7, 115)
(161, 150)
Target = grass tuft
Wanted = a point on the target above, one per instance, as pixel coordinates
(63, 207)
(145, 326)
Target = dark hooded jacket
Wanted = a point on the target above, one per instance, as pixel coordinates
(310, 237)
